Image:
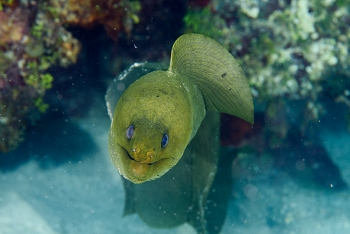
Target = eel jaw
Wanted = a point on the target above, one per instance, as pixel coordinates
(136, 160)
(138, 172)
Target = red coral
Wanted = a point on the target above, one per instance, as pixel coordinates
(13, 25)
(235, 131)
(89, 13)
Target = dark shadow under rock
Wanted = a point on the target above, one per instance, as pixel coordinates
(52, 142)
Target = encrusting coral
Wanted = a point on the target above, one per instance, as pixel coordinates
(288, 49)
(30, 43)
(114, 15)
(33, 38)
(296, 58)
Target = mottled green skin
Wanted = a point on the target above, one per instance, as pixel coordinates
(154, 110)
(202, 76)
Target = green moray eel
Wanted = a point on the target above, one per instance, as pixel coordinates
(166, 119)
(159, 114)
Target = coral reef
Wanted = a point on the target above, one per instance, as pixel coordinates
(288, 49)
(115, 16)
(33, 39)
(295, 55)
(30, 43)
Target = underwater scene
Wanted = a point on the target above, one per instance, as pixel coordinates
(161, 116)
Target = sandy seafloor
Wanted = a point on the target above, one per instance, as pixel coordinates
(67, 184)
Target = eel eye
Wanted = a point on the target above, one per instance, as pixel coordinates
(165, 140)
(130, 132)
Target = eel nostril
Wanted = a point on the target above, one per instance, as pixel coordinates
(150, 154)
(136, 150)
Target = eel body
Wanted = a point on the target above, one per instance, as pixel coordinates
(165, 130)
(159, 114)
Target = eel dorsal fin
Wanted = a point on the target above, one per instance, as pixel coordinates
(216, 73)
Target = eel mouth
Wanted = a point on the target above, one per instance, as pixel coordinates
(139, 172)
(131, 158)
